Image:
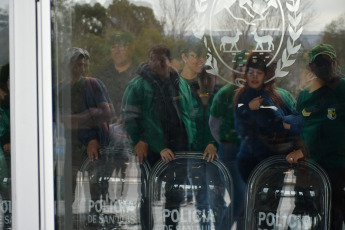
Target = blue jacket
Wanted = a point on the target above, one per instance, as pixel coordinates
(98, 126)
(261, 131)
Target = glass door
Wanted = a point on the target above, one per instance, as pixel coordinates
(5, 126)
(134, 82)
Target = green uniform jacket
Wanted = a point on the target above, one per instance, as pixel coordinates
(288, 99)
(142, 120)
(203, 133)
(4, 139)
(323, 112)
(222, 107)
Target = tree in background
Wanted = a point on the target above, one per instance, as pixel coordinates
(93, 24)
(123, 15)
(89, 19)
(334, 34)
(177, 17)
(4, 36)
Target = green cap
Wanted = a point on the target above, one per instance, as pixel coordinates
(322, 49)
(121, 37)
(240, 59)
(72, 54)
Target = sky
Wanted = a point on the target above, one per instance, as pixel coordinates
(331, 9)
(4, 4)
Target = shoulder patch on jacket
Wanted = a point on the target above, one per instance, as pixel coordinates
(305, 113)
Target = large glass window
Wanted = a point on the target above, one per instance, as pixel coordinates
(227, 83)
(5, 142)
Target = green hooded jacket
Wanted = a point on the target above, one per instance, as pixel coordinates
(142, 120)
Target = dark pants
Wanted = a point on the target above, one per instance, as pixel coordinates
(336, 176)
(227, 153)
(246, 166)
(174, 196)
(176, 190)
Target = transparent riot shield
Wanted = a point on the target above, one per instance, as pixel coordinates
(5, 204)
(109, 192)
(284, 196)
(190, 193)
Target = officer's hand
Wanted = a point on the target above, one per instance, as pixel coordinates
(140, 150)
(211, 151)
(167, 155)
(7, 147)
(294, 156)
(92, 149)
(255, 103)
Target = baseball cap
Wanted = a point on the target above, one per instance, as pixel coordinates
(322, 49)
(240, 59)
(121, 37)
(256, 62)
(72, 54)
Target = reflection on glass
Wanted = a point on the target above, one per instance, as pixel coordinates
(120, 68)
(282, 196)
(5, 151)
(117, 202)
(5, 127)
(209, 36)
(209, 184)
(325, 91)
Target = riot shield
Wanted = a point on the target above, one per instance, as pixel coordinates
(190, 193)
(5, 204)
(109, 192)
(284, 196)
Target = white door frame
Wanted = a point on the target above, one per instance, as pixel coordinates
(31, 115)
(45, 115)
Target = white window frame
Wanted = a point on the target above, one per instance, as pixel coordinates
(31, 115)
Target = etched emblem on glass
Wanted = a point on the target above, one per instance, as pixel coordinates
(272, 26)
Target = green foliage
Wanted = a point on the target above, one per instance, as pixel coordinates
(126, 16)
(146, 39)
(93, 24)
(334, 34)
(88, 19)
(97, 47)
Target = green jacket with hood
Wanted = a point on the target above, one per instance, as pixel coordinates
(142, 119)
